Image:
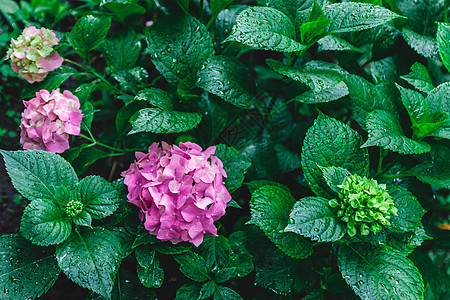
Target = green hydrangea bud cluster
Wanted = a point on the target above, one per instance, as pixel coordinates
(364, 204)
(73, 208)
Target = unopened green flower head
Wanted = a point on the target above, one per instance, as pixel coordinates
(74, 208)
(364, 204)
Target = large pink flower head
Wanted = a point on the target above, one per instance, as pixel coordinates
(32, 54)
(179, 189)
(49, 119)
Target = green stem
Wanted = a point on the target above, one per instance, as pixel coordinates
(76, 64)
(93, 72)
(446, 10)
(401, 175)
(380, 161)
(95, 142)
(201, 11)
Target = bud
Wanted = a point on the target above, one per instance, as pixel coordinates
(73, 208)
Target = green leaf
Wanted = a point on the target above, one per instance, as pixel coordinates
(375, 272)
(143, 237)
(265, 28)
(26, 270)
(311, 30)
(99, 197)
(83, 219)
(288, 161)
(443, 40)
(225, 293)
(270, 207)
(88, 32)
(439, 101)
(329, 94)
(149, 272)
(156, 97)
(223, 275)
(169, 248)
(360, 90)
(184, 4)
(215, 251)
(423, 45)
(409, 213)
(34, 173)
(86, 158)
(423, 123)
(156, 120)
(51, 82)
(193, 266)
(316, 79)
(131, 80)
(280, 273)
(257, 184)
(334, 176)
(415, 104)
(9, 7)
(218, 5)
(435, 166)
(419, 78)
(421, 14)
(122, 51)
(243, 264)
(124, 115)
(188, 291)
(207, 290)
(384, 70)
(335, 43)
(298, 11)
(228, 78)
(385, 132)
(127, 286)
(45, 223)
(91, 259)
(178, 46)
(351, 16)
(123, 8)
(314, 218)
(234, 166)
(331, 143)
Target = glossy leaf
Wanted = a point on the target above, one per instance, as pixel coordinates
(162, 121)
(178, 46)
(88, 32)
(265, 28)
(91, 258)
(385, 132)
(347, 16)
(227, 78)
(99, 197)
(331, 143)
(379, 273)
(234, 166)
(26, 270)
(45, 223)
(34, 173)
(314, 218)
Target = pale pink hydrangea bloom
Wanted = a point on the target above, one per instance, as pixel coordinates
(49, 119)
(32, 54)
(179, 189)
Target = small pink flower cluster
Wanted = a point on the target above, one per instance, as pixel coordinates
(32, 54)
(179, 189)
(49, 119)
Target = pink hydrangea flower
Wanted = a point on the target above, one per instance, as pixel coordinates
(49, 119)
(179, 189)
(32, 54)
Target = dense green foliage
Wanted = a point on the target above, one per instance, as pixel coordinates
(331, 118)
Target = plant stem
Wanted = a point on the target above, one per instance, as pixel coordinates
(380, 161)
(446, 11)
(76, 64)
